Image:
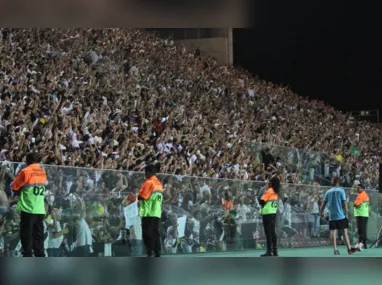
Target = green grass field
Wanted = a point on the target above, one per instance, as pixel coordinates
(292, 252)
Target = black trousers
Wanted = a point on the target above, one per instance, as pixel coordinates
(32, 234)
(362, 229)
(269, 223)
(81, 251)
(151, 236)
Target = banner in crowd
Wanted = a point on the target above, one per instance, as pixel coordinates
(131, 214)
(182, 226)
(355, 151)
(339, 157)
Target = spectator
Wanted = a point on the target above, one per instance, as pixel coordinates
(2, 244)
(82, 246)
(226, 203)
(56, 234)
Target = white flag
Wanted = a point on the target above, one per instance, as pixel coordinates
(131, 214)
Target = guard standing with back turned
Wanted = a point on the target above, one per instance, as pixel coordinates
(361, 212)
(30, 185)
(269, 205)
(150, 199)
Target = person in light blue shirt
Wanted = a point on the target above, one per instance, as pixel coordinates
(335, 198)
(336, 201)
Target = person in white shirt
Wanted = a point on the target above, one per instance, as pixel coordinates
(317, 219)
(49, 195)
(2, 247)
(196, 226)
(170, 242)
(187, 242)
(287, 213)
(82, 246)
(46, 226)
(205, 188)
(242, 211)
(136, 238)
(135, 230)
(55, 234)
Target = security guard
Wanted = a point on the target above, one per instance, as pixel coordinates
(30, 184)
(361, 212)
(150, 199)
(269, 204)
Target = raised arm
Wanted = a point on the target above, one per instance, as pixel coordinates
(83, 208)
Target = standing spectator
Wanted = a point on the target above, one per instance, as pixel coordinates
(135, 231)
(30, 185)
(268, 159)
(2, 243)
(187, 242)
(3, 204)
(226, 203)
(242, 215)
(316, 216)
(12, 232)
(197, 52)
(150, 198)
(56, 234)
(336, 201)
(83, 242)
(171, 239)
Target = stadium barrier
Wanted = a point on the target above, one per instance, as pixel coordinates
(193, 219)
(312, 166)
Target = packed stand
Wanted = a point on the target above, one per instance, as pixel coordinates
(117, 98)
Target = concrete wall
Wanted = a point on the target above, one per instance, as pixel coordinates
(220, 48)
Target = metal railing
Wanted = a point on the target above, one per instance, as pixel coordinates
(193, 218)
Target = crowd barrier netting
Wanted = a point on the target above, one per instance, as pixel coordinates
(311, 166)
(193, 218)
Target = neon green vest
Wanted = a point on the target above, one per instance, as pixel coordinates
(31, 199)
(152, 207)
(362, 210)
(270, 207)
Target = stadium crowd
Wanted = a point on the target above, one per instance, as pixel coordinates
(118, 99)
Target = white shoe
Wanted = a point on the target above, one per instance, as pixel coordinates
(359, 246)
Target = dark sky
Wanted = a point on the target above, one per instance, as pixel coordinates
(324, 51)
